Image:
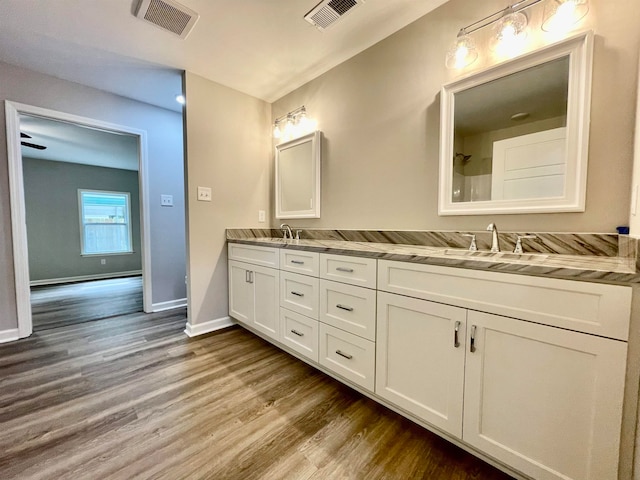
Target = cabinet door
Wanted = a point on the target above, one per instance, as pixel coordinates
(419, 363)
(546, 401)
(266, 316)
(240, 291)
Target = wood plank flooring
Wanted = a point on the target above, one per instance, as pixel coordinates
(133, 398)
(58, 305)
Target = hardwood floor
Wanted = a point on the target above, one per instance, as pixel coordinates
(133, 397)
(58, 305)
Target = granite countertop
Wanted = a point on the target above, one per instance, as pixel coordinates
(601, 269)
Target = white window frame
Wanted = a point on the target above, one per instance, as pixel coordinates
(82, 222)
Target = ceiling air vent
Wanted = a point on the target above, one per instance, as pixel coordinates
(328, 12)
(168, 15)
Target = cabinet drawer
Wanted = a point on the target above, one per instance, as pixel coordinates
(299, 293)
(594, 308)
(265, 256)
(299, 261)
(350, 308)
(299, 333)
(354, 270)
(348, 355)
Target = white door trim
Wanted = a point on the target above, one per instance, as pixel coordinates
(18, 217)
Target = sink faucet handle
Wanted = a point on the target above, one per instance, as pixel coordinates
(473, 247)
(518, 248)
(298, 232)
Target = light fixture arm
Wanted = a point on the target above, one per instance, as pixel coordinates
(494, 17)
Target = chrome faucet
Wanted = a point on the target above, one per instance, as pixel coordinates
(286, 230)
(495, 242)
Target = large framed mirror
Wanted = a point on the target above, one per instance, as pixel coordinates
(514, 138)
(298, 177)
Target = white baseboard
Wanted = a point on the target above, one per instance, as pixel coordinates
(210, 326)
(162, 306)
(9, 335)
(84, 278)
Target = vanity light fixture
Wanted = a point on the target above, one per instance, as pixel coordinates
(293, 124)
(463, 52)
(510, 28)
(561, 15)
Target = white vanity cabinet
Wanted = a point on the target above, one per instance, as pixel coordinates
(528, 371)
(420, 359)
(546, 401)
(253, 288)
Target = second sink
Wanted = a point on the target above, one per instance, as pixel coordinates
(497, 256)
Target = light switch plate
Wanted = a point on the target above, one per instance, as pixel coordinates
(204, 194)
(166, 200)
(262, 216)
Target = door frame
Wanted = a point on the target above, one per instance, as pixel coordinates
(17, 202)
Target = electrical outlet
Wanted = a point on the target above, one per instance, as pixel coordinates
(166, 200)
(103, 261)
(204, 194)
(262, 216)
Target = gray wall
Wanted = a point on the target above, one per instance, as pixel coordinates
(52, 213)
(380, 115)
(165, 170)
(228, 149)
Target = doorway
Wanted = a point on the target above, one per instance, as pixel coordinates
(96, 196)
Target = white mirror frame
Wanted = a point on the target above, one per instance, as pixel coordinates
(315, 138)
(579, 48)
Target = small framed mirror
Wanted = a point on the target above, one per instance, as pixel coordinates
(514, 137)
(298, 177)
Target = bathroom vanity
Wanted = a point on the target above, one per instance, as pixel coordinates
(524, 370)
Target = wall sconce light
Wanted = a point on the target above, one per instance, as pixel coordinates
(293, 124)
(510, 28)
(561, 15)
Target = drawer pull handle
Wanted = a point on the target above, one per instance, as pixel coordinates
(456, 341)
(343, 307)
(295, 332)
(472, 342)
(345, 355)
(297, 262)
(297, 294)
(344, 269)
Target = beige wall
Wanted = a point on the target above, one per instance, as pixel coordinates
(380, 114)
(229, 150)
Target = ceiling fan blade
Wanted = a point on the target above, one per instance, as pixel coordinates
(24, 135)
(33, 145)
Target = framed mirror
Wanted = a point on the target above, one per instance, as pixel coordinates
(514, 138)
(298, 177)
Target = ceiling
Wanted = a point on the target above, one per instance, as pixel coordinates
(67, 142)
(260, 47)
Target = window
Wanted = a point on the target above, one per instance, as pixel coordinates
(105, 225)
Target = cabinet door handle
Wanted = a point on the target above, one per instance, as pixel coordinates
(344, 269)
(344, 307)
(345, 355)
(246, 276)
(472, 340)
(297, 294)
(295, 332)
(250, 276)
(456, 341)
(297, 262)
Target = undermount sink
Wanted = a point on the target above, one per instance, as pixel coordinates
(497, 256)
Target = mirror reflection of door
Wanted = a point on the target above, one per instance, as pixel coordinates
(509, 139)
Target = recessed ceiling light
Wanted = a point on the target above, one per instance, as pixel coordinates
(180, 99)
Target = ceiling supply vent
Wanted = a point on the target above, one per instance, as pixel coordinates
(168, 15)
(327, 12)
